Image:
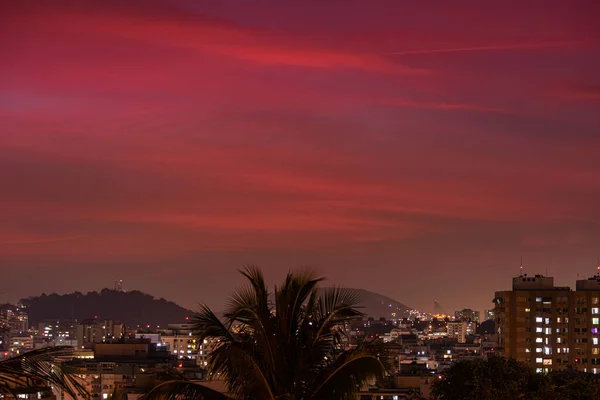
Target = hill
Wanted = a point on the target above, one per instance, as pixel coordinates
(138, 308)
(377, 305)
(131, 308)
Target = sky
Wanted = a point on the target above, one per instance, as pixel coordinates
(415, 149)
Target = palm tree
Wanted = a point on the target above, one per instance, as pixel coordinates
(289, 349)
(39, 368)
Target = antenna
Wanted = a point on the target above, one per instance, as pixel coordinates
(521, 268)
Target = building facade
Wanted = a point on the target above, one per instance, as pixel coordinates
(457, 330)
(467, 315)
(550, 327)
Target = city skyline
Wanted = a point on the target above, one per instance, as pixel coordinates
(412, 151)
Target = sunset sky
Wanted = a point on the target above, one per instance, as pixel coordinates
(416, 149)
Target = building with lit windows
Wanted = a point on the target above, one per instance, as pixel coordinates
(467, 315)
(457, 330)
(488, 315)
(550, 327)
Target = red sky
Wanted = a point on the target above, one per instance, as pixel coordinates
(414, 149)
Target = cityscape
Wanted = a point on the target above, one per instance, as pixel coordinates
(284, 200)
(546, 327)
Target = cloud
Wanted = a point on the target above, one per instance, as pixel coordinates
(11, 240)
(494, 47)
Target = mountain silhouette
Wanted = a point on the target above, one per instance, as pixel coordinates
(132, 308)
(137, 308)
(377, 306)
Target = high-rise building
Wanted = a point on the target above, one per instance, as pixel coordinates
(467, 315)
(550, 327)
(458, 330)
(488, 315)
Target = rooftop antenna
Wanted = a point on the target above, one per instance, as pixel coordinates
(521, 268)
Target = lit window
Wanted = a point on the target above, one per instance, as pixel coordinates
(527, 309)
(539, 340)
(539, 329)
(595, 340)
(539, 360)
(538, 299)
(538, 349)
(548, 361)
(595, 320)
(595, 310)
(539, 319)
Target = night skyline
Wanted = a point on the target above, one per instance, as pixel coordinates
(413, 151)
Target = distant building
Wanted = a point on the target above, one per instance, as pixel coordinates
(458, 330)
(467, 315)
(488, 315)
(550, 327)
(89, 331)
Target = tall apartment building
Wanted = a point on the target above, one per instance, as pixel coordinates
(550, 327)
(467, 315)
(457, 330)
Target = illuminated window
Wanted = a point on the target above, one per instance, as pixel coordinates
(595, 310)
(539, 360)
(547, 362)
(539, 329)
(539, 340)
(539, 319)
(595, 320)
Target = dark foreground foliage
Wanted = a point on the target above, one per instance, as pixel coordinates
(503, 378)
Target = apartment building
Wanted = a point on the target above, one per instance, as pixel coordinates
(550, 327)
(457, 330)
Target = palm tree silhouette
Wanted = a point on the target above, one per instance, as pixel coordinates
(288, 345)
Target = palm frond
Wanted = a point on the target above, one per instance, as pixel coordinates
(207, 324)
(183, 389)
(347, 373)
(336, 306)
(41, 365)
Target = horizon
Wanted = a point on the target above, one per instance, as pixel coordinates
(414, 151)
